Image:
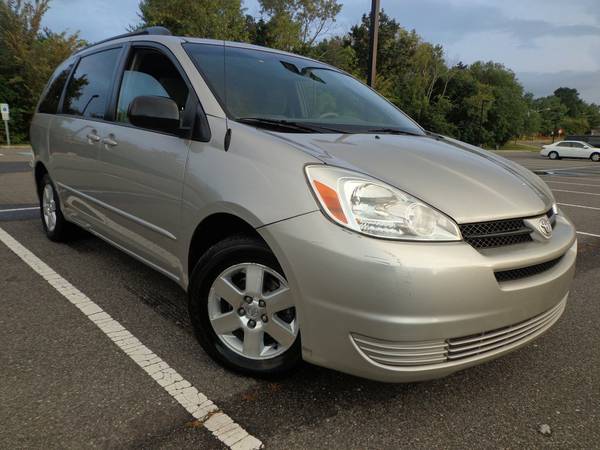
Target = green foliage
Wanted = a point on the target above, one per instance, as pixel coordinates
(214, 19)
(294, 25)
(28, 56)
(337, 52)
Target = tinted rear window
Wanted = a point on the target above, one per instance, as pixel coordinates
(89, 88)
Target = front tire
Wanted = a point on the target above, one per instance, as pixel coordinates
(242, 309)
(553, 155)
(55, 225)
(595, 157)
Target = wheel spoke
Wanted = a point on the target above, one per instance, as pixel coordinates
(254, 280)
(279, 300)
(282, 332)
(226, 323)
(253, 343)
(48, 194)
(227, 291)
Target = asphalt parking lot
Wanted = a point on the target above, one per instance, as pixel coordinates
(64, 382)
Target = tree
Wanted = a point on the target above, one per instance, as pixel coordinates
(337, 52)
(552, 112)
(570, 98)
(592, 114)
(28, 56)
(506, 116)
(296, 25)
(214, 19)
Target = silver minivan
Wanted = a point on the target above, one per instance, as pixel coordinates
(306, 216)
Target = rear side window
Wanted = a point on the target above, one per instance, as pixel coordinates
(149, 72)
(88, 90)
(49, 103)
(564, 144)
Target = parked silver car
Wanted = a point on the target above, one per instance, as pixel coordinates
(306, 216)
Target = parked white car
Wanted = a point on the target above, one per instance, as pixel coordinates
(571, 149)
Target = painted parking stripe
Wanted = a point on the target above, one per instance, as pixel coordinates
(588, 234)
(18, 209)
(578, 206)
(569, 168)
(574, 184)
(197, 404)
(576, 192)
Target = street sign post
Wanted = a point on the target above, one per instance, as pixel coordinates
(4, 111)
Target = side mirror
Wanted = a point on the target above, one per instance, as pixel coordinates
(155, 113)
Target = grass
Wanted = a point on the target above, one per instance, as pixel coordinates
(520, 146)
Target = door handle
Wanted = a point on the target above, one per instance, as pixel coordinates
(109, 142)
(93, 137)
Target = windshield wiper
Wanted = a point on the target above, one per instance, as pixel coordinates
(297, 126)
(393, 131)
(275, 123)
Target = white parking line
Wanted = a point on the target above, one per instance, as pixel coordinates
(550, 169)
(588, 234)
(19, 209)
(574, 184)
(578, 206)
(196, 403)
(576, 192)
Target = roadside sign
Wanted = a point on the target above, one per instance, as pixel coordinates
(4, 110)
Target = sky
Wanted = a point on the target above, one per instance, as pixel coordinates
(547, 43)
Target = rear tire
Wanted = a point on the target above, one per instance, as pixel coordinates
(56, 227)
(222, 305)
(595, 157)
(553, 155)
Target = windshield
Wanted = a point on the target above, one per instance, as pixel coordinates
(268, 88)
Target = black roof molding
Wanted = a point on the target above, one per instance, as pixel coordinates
(155, 31)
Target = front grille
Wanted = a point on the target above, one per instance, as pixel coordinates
(444, 352)
(498, 233)
(482, 343)
(524, 272)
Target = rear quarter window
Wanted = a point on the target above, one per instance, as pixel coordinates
(51, 97)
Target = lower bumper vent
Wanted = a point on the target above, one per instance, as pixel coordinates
(425, 353)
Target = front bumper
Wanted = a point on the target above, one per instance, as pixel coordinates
(412, 295)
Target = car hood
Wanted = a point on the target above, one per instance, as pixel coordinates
(465, 182)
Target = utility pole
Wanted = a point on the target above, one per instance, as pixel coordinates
(373, 35)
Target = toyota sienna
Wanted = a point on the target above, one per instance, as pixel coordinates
(306, 216)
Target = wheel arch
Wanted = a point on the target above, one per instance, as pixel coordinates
(39, 171)
(213, 229)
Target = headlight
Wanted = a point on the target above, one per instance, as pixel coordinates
(372, 207)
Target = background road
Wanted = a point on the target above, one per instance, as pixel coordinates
(65, 384)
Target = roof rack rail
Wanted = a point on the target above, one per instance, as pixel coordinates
(157, 31)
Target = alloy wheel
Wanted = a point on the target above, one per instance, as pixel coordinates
(251, 310)
(49, 207)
